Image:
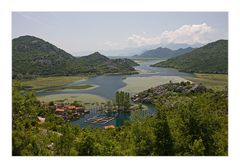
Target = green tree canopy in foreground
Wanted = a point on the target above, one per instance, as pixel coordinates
(185, 125)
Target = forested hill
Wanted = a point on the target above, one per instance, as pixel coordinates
(211, 58)
(163, 53)
(32, 56)
(97, 63)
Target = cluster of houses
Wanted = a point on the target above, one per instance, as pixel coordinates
(69, 112)
(65, 111)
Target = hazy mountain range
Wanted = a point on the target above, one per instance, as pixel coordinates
(130, 51)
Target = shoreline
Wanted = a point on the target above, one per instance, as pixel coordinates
(74, 87)
(83, 97)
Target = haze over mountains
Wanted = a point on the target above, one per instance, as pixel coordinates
(124, 52)
(176, 46)
(130, 51)
(32, 56)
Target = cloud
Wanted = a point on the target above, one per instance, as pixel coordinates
(189, 34)
(141, 40)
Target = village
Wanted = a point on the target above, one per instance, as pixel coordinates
(70, 112)
(63, 110)
(73, 111)
(93, 114)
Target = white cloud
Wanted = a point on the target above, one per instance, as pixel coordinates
(141, 40)
(189, 34)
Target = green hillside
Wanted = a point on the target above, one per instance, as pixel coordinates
(32, 56)
(163, 53)
(211, 58)
(97, 63)
(125, 62)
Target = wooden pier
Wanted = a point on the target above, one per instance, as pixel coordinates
(99, 120)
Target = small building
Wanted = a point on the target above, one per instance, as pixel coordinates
(40, 119)
(70, 107)
(109, 126)
(59, 110)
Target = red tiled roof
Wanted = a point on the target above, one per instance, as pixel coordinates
(109, 126)
(59, 110)
(71, 107)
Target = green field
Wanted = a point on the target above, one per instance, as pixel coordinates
(44, 82)
(138, 84)
(69, 98)
(212, 81)
(83, 86)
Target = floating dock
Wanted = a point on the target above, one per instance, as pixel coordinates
(99, 120)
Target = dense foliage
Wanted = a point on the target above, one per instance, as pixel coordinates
(211, 58)
(163, 53)
(33, 57)
(122, 100)
(195, 124)
(125, 62)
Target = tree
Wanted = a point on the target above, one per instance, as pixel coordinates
(122, 100)
(51, 103)
(197, 148)
(194, 124)
(109, 106)
(164, 142)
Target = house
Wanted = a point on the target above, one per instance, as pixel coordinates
(59, 110)
(71, 107)
(40, 119)
(109, 126)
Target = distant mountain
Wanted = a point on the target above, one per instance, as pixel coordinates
(94, 58)
(99, 64)
(176, 46)
(163, 53)
(211, 58)
(129, 51)
(32, 56)
(125, 61)
(124, 52)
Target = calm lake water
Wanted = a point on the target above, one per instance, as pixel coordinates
(107, 85)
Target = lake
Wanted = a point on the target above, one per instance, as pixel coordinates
(107, 85)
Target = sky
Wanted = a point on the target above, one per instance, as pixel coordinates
(85, 32)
